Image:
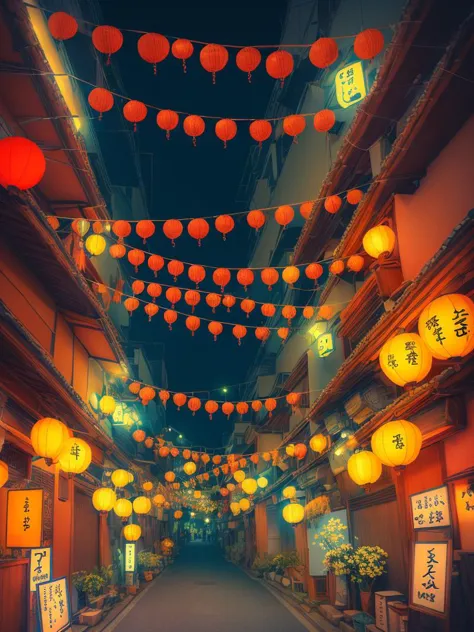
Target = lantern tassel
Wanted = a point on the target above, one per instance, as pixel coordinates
(134, 127)
(154, 69)
(249, 77)
(194, 141)
(185, 70)
(168, 134)
(107, 63)
(100, 116)
(214, 78)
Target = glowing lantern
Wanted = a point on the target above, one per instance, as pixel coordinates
(213, 300)
(293, 513)
(107, 40)
(239, 476)
(354, 196)
(266, 456)
(226, 129)
(104, 499)
(164, 451)
(107, 405)
(170, 477)
(270, 405)
(314, 271)
(215, 328)
(192, 298)
(164, 397)
(290, 275)
(145, 229)
(247, 60)
(224, 224)
(290, 449)
(167, 120)
(3, 473)
(306, 209)
(97, 227)
(213, 58)
(221, 277)
(217, 459)
(249, 486)
(247, 305)
(293, 399)
(337, 266)
(154, 290)
(120, 478)
(172, 229)
(260, 130)
(194, 126)
(205, 458)
(256, 405)
(22, 163)
(123, 508)
(242, 408)
(182, 49)
(228, 409)
(159, 500)
(141, 505)
(379, 241)
(132, 532)
(178, 514)
(197, 493)
(189, 468)
(245, 277)
(138, 287)
(269, 276)
(446, 326)
(262, 334)
(279, 65)
(62, 26)
(101, 100)
(262, 482)
(173, 295)
(284, 215)
(289, 492)
(283, 333)
(300, 451)
(405, 359)
(239, 331)
(230, 487)
(224, 491)
(234, 507)
(364, 468)
(48, 437)
(308, 312)
(368, 44)
(170, 317)
(153, 48)
(135, 112)
(179, 400)
(117, 251)
(136, 258)
(228, 301)
(325, 312)
(139, 436)
(131, 304)
(288, 312)
(75, 456)
(198, 229)
(323, 52)
(294, 125)
(79, 226)
(397, 443)
(318, 443)
(211, 407)
(175, 268)
(268, 310)
(194, 404)
(324, 120)
(355, 263)
(174, 452)
(147, 393)
(149, 443)
(332, 204)
(122, 229)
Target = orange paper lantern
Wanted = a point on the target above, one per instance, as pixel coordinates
(332, 204)
(147, 393)
(260, 130)
(324, 120)
(22, 163)
(182, 49)
(179, 400)
(354, 196)
(154, 290)
(325, 311)
(173, 295)
(175, 268)
(136, 258)
(245, 277)
(228, 409)
(290, 275)
(167, 120)
(213, 58)
(224, 224)
(134, 387)
(288, 312)
(306, 209)
(107, 40)
(213, 300)
(308, 312)
(226, 129)
(293, 399)
(135, 112)
(221, 277)
(270, 405)
(355, 263)
(323, 52)
(139, 436)
(279, 65)
(193, 323)
(284, 215)
(268, 310)
(300, 451)
(215, 328)
(194, 126)
(170, 317)
(138, 286)
(122, 229)
(172, 229)
(117, 251)
(314, 271)
(62, 26)
(194, 404)
(283, 333)
(368, 44)
(192, 298)
(164, 452)
(247, 60)
(256, 219)
(228, 301)
(101, 100)
(145, 229)
(211, 407)
(247, 306)
(153, 48)
(294, 125)
(198, 229)
(242, 408)
(239, 331)
(164, 397)
(156, 263)
(196, 274)
(131, 304)
(262, 333)
(269, 276)
(257, 405)
(337, 266)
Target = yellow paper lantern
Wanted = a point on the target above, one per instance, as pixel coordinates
(239, 476)
(364, 468)
(147, 486)
(141, 505)
(405, 359)
(75, 456)
(197, 493)
(289, 492)
(290, 449)
(397, 443)
(159, 500)
(95, 245)
(178, 514)
(131, 478)
(189, 467)
(48, 436)
(120, 478)
(318, 443)
(104, 499)
(244, 504)
(293, 513)
(378, 241)
(132, 532)
(107, 405)
(249, 486)
(3, 473)
(230, 487)
(123, 508)
(234, 506)
(446, 326)
(262, 482)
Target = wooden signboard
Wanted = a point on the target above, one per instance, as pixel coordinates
(24, 518)
(430, 577)
(430, 508)
(54, 609)
(41, 565)
(130, 557)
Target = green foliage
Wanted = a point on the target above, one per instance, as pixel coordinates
(148, 561)
(78, 580)
(93, 584)
(282, 561)
(362, 565)
(262, 564)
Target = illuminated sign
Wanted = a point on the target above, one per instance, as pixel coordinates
(430, 509)
(24, 518)
(53, 605)
(350, 85)
(325, 344)
(430, 577)
(40, 567)
(130, 559)
(464, 497)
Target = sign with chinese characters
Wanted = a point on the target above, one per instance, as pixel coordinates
(430, 509)
(24, 518)
(40, 567)
(350, 85)
(430, 576)
(53, 605)
(464, 498)
(130, 559)
(325, 344)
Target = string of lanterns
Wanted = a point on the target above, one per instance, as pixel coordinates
(53, 441)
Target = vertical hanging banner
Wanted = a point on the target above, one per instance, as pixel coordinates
(430, 509)
(130, 557)
(430, 577)
(24, 518)
(350, 85)
(41, 563)
(54, 609)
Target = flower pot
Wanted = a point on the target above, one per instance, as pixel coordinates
(365, 600)
(148, 576)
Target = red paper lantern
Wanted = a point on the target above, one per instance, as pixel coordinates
(284, 215)
(324, 120)
(247, 305)
(289, 312)
(192, 298)
(354, 196)
(313, 271)
(194, 126)
(224, 224)
(247, 60)
(145, 228)
(156, 263)
(101, 100)
(22, 163)
(172, 229)
(211, 407)
(228, 409)
(257, 405)
(221, 277)
(136, 258)
(179, 399)
(308, 312)
(332, 204)
(270, 405)
(245, 277)
(196, 274)
(213, 300)
(193, 323)
(213, 58)
(306, 209)
(151, 310)
(323, 52)
(117, 251)
(337, 266)
(262, 333)
(256, 219)
(355, 263)
(182, 49)
(170, 317)
(107, 40)
(300, 451)
(198, 229)
(153, 48)
(215, 328)
(167, 120)
(154, 290)
(283, 333)
(138, 286)
(226, 129)
(293, 399)
(53, 221)
(268, 310)
(269, 276)
(62, 26)
(175, 268)
(368, 44)
(228, 301)
(280, 65)
(325, 311)
(194, 403)
(290, 275)
(260, 130)
(173, 295)
(242, 408)
(122, 229)
(239, 331)
(131, 304)
(293, 125)
(135, 112)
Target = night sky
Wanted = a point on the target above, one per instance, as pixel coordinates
(182, 181)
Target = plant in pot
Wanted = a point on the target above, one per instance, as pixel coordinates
(92, 586)
(284, 560)
(78, 583)
(261, 565)
(148, 563)
(369, 563)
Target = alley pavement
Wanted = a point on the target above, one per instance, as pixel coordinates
(204, 593)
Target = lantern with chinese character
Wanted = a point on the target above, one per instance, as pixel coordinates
(397, 443)
(75, 456)
(123, 508)
(132, 532)
(364, 468)
(405, 359)
(293, 513)
(104, 499)
(48, 437)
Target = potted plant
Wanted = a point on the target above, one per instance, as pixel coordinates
(369, 563)
(282, 561)
(78, 583)
(148, 564)
(93, 584)
(261, 565)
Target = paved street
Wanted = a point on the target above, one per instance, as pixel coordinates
(203, 592)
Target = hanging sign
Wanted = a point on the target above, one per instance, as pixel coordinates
(430, 509)
(24, 518)
(430, 577)
(41, 563)
(130, 558)
(54, 610)
(464, 497)
(325, 344)
(350, 85)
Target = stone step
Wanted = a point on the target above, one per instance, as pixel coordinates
(331, 614)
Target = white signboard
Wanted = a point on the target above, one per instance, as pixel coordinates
(430, 576)
(53, 605)
(40, 567)
(430, 509)
(130, 557)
